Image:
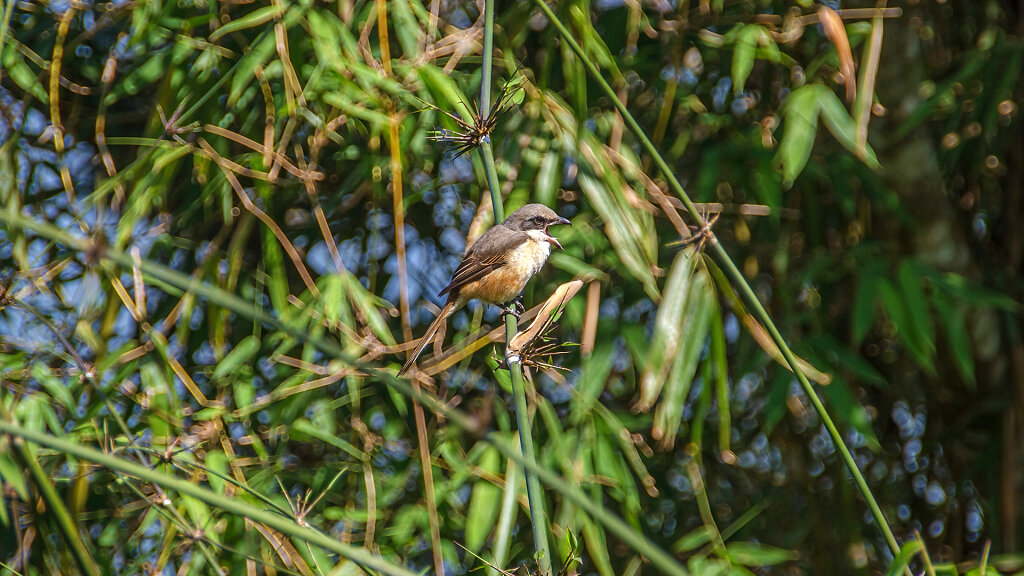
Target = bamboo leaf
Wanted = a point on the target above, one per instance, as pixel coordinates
(756, 554)
(800, 120)
(696, 324)
(920, 326)
(484, 502)
(957, 336)
(896, 310)
(16, 67)
(842, 126)
(743, 55)
(251, 20)
(902, 560)
(623, 231)
(241, 354)
(668, 328)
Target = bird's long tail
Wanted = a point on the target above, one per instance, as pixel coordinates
(447, 311)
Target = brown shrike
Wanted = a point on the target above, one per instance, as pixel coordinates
(497, 267)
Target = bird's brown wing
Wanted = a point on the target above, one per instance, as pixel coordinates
(487, 254)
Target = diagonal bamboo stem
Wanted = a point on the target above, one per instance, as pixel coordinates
(735, 276)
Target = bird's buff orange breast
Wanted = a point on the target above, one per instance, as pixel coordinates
(506, 282)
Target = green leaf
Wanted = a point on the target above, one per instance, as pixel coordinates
(625, 231)
(593, 376)
(574, 266)
(956, 336)
(896, 310)
(754, 554)
(446, 92)
(326, 39)
(276, 271)
(13, 475)
(367, 304)
(257, 56)
(217, 461)
(608, 462)
(700, 536)
(485, 502)
(55, 387)
(963, 290)
(596, 542)
(303, 427)
(241, 354)
(15, 67)
(407, 30)
(917, 306)
(800, 120)
(720, 365)
(700, 305)
(903, 558)
(747, 39)
(842, 126)
(668, 328)
(251, 20)
(548, 178)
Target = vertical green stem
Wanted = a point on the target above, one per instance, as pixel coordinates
(735, 276)
(538, 520)
(486, 64)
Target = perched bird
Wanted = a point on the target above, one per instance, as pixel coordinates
(497, 267)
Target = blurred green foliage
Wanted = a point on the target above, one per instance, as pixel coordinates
(221, 291)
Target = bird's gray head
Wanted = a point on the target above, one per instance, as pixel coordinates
(535, 217)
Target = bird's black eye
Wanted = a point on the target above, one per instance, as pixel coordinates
(537, 221)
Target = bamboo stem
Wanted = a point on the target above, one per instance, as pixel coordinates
(538, 520)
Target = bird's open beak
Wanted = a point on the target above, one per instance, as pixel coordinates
(551, 238)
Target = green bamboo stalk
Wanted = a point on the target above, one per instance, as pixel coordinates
(534, 494)
(235, 506)
(735, 276)
(487, 62)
